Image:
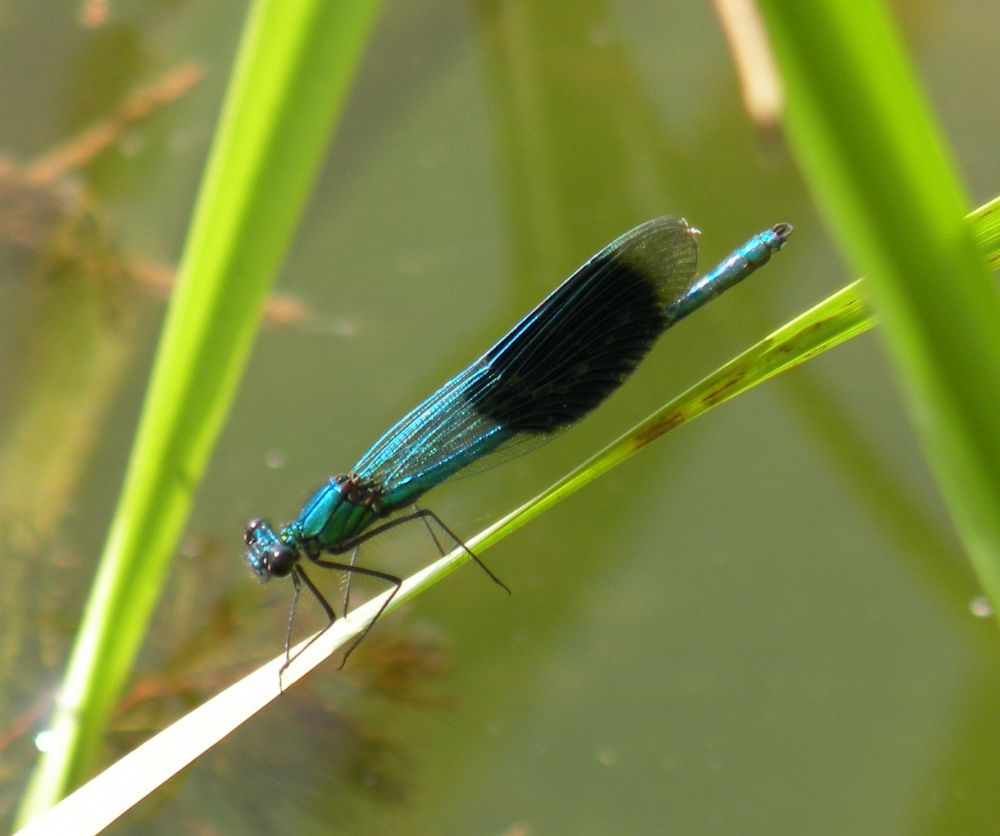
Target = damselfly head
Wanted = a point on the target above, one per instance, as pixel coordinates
(268, 556)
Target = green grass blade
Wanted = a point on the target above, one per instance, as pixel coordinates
(835, 320)
(987, 232)
(293, 72)
(881, 173)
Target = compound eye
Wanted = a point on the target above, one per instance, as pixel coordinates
(281, 560)
(269, 556)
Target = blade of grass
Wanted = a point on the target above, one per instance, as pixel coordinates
(294, 68)
(882, 175)
(123, 785)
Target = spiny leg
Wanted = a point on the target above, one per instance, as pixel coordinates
(351, 568)
(419, 513)
(297, 585)
(352, 545)
(427, 525)
(299, 577)
(426, 514)
(347, 584)
(357, 548)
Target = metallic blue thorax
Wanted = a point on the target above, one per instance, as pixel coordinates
(338, 511)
